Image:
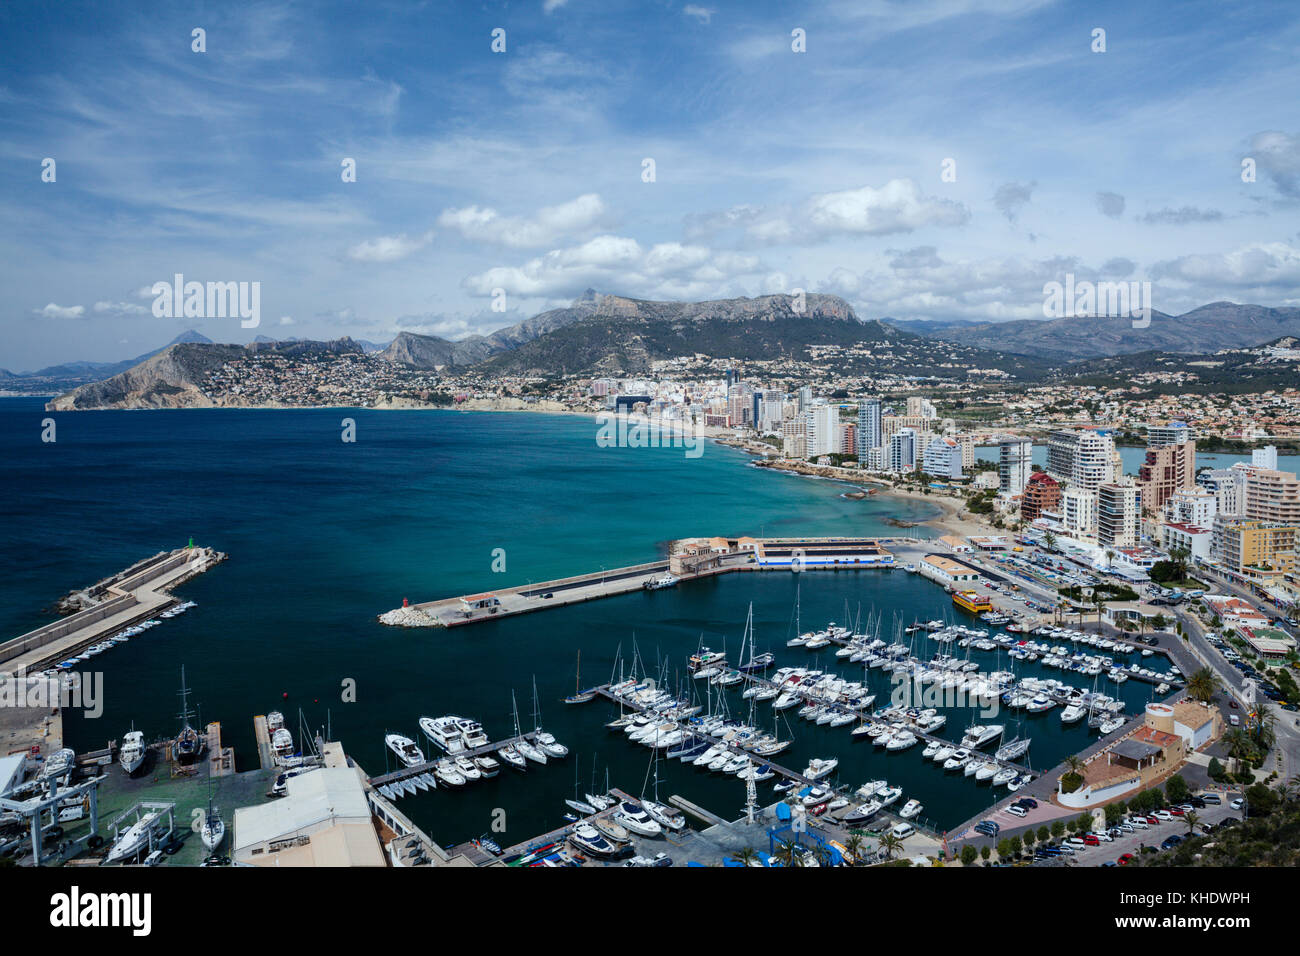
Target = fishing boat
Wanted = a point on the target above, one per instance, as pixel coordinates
(132, 754)
(404, 747)
(579, 696)
(660, 583)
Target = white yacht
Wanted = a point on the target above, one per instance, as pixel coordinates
(979, 735)
(487, 767)
(910, 809)
(632, 816)
(214, 829)
(282, 744)
(407, 752)
(1073, 714)
(529, 751)
(958, 759)
(131, 756)
(468, 768)
(444, 733)
(472, 733)
(818, 768)
(449, 773)
(135, 839)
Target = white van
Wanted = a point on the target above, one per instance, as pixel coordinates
(903, 830)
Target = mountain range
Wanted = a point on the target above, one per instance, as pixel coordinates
(1209, 328)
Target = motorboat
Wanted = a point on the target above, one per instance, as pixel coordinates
(404, 747)
(861, 813)
(282, 744)
(512, 756)
(590, 840)
(471, 732)
(815, 795)
(468, 768)
(1004, 776)
(1073, 714)
(987, 770)
(612, 831)
(132, 754)
(550, 746)
(447, 771)
(487, 767)
(58, 764)
(889, 795)
(444, 733)
(818, 768)
(665, 816)
(633, 817)
(958, 759)
(980, 735)
(910, 809)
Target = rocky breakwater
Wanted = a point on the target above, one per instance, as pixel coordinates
(408, 617)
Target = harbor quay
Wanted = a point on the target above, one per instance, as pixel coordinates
(688, 559)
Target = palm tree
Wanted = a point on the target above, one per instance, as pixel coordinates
(890, 844)
(746, 856)
(855, 845)
(1049, 541)
(1203, 685)
(1191, 819)
(788, 854)
(1099, 602)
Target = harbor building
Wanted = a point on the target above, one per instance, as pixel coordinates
(323, 820)
(1015, 465)
(936, 567)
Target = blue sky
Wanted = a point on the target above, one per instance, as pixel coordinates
(522, 170)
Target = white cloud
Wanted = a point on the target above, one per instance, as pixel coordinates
(388, 248)
(53, 311)
(120, 308)
(550, 6)
(703, 14)
(1278, 155)
(896, 207)
(287, 320)
(665, 270)
(1256, 266)
(1010, 198)
(546, 226)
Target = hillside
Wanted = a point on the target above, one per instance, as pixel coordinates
(1209, 328)
(68, 375)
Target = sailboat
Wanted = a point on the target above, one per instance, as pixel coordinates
(756, 663)
(544, 741)
(665, 816)
(188, 744)
(579, 696)
(214, 828)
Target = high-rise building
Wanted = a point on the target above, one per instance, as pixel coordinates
(902, 450)
(868, 426)
(1042, 493)
(1167, 469)
(1117, 514)
(1080, 458)
(819, 430)
(1273, 496)
(918, 407)
(1228, 485)
(1015, 465)
(942, 458)
(805, 399)
(1079, 512)
(1170, 433)
(1265, 457)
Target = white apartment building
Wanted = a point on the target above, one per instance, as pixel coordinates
(943, 458)
(1079, 513)
(1195, 506)
(868, 435)
(1265, 457)
(1083, 459)
(819, 423)
(1015, 465)
(902, 450)
(1118, 514)
(1197, 541)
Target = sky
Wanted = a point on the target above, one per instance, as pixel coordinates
(924, 160)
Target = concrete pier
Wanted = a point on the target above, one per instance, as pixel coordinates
(126, 599)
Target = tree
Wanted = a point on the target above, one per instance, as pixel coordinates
(1058, 829)
(1114, 813)
(891, 845)
(1016, 845)
(787, 854)
(1004, 848)
(1029, 837)
(1203, 685)
(984, 853)
(969, 855)
(1049, 541)
(855, 845)
(1176, 789)
(1191, 819)
(1044, 834)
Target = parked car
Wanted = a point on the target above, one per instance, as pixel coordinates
(1237, 804)
(1212, 799)
(1140, 823)
(1171, 841)
(1090, 839)
(1126, 859)
(1017, 811)
(1029, 803)
(1103, 836)
(1163, 815)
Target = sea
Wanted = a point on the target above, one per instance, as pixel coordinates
(323, 535)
